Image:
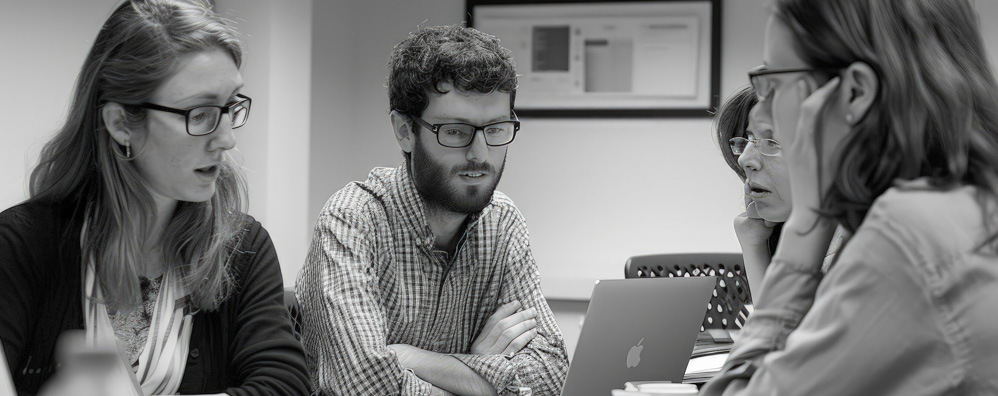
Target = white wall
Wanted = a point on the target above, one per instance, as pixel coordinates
(351, 133)
(41, 51)
(274, 144)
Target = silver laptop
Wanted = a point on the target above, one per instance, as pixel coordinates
(638, 330)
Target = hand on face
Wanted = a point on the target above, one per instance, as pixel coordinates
(802, 155)
(751, 229)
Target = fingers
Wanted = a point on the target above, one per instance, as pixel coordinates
(521, 341)
(812, 105)
(507, 329)
(751, 211)
(821, 95)
(516, 332)
(501, 313)
(515, 319)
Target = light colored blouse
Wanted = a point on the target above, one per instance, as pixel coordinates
(132, 328)
(908, 309)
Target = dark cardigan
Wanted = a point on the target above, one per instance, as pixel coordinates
(243, 348)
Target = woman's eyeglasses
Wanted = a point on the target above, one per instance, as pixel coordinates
(203, 120)
(768, 147)
(763, 83)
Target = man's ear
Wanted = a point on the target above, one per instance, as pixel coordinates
(113, 115)
(860, 86)
(402, 125)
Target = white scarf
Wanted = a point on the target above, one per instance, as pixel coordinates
(164, 357)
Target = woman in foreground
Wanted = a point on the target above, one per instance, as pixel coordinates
(888, 117)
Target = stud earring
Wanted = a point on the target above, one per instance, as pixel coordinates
(849, 118)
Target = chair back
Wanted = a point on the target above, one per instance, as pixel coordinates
(726, 309)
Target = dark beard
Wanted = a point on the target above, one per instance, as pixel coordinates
(431, 181)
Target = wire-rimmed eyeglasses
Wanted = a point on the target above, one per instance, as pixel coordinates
(768, 147)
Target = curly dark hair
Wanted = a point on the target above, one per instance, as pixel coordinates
(463, 56)
(731, 120)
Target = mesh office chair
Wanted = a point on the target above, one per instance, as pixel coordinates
(726, 309)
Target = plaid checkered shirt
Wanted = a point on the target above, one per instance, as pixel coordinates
(373, 278)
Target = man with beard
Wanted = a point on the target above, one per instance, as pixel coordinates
(420, 280)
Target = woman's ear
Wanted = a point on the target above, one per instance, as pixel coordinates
(114, 118)
(860, 86)
(402, 125)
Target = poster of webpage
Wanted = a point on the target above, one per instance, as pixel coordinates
(652, 55)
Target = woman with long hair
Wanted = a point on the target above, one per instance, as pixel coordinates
(133, 230)
(888, 115)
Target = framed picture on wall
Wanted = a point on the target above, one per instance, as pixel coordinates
(589, 58)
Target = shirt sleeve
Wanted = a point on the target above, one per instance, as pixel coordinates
(266, 357)
(343, 324)
(22, 258)
(867, 330)
(542, 364)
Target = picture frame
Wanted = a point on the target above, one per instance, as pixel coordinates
(609, 59)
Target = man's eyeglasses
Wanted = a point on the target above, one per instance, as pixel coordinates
(456, 134)
(764, 85)
(768, 147)
(203, 120)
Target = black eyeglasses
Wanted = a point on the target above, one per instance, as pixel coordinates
(764, 86)
(457, 134)
(203, 120)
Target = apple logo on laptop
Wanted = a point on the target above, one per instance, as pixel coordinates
(634, 356)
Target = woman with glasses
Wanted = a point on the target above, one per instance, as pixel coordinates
(748, 147)
(889, 124)
(133, 235)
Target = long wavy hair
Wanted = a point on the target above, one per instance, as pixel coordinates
(936, 113)
(135, 51)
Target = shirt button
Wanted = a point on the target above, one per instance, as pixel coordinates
(195, 353)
